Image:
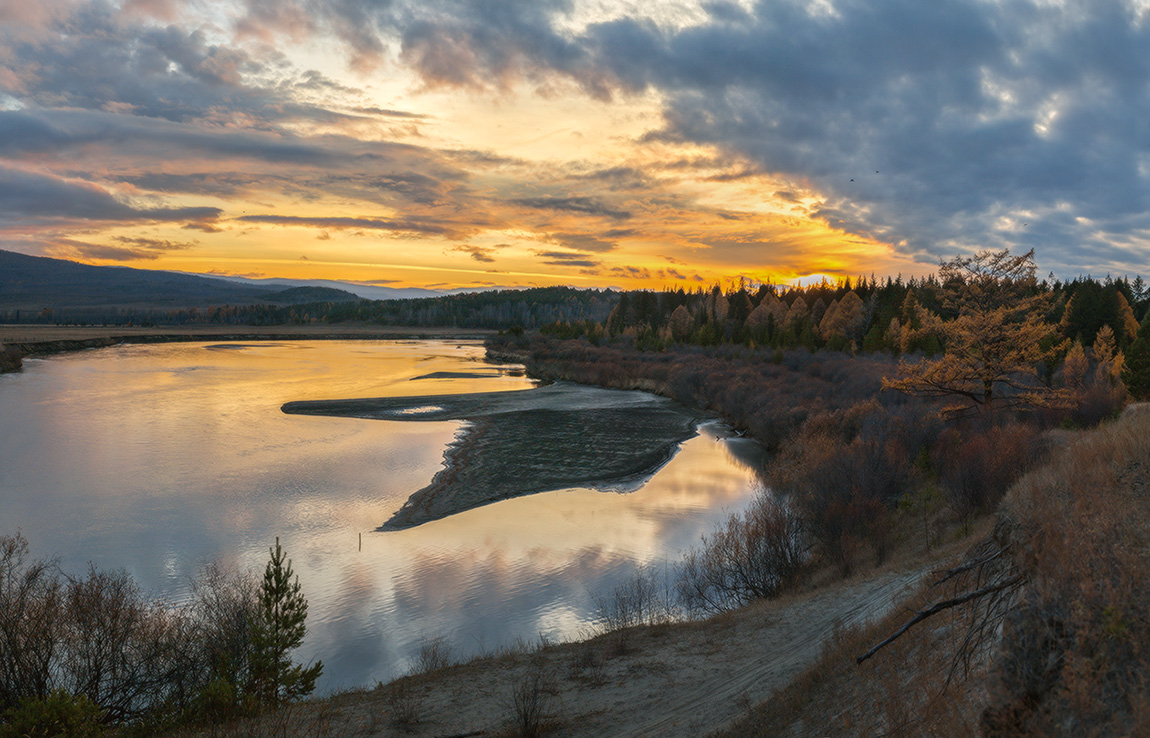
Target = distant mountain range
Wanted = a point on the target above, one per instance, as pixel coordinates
(366, 291)
(35, 282)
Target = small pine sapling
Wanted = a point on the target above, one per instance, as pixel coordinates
(279, 628)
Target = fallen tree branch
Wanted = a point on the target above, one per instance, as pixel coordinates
(965, 567)
(937, 608)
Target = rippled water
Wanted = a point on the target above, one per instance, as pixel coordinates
(159, 458)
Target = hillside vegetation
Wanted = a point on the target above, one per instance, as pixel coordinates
(1059, 650)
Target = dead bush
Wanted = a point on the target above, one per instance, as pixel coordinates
(127, 654)
(756, 554)
(642, 599)
(532, 704)
(434, 653)
(31, 623)
(977, 467)
(403, 703)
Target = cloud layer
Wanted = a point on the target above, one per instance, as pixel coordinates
(786, 135)
(932, 126)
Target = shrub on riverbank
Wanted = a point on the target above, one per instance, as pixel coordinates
(768, 393)
(74, 647)
(10, 359)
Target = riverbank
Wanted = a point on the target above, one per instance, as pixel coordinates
(19, 341)
(673, 680)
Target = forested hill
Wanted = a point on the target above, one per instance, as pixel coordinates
(496, 309)
(33, 284)
(42, 290)
(527, 308)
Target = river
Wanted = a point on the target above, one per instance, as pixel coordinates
(160, 458)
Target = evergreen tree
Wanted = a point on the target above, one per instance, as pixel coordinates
(1136, 368)
(279, 628)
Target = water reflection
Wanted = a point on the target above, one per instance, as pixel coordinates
(158, 458)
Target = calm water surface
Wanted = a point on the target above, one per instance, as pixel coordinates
(159, 458)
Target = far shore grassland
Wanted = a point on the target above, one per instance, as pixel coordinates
(19, 341)
(35, 334)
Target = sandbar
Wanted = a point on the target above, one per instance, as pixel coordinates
(524, 442)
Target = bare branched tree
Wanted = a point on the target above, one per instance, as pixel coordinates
(755, 555)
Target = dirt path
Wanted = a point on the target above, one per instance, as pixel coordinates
(685, 679)
(700, 682)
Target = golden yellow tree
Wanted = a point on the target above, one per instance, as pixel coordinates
(1074, 368)
(994, 342)
(1109, 358)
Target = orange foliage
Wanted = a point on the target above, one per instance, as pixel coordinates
(993, 345)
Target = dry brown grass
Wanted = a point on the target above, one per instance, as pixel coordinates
(1074, 657)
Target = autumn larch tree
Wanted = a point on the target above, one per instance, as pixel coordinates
(994, 342)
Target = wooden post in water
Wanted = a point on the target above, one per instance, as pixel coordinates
(361, 541)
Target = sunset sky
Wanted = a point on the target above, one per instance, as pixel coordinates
(476, 143)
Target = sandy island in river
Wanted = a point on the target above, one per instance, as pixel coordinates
(527, 441)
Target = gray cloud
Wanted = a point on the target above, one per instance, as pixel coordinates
(583, 242)
(30, 197)
(954, 119)
(158, 245)
(70, 248)
(479, 253)
(132, 249)
(98, 57)
(389, 113)
(582, 205)
(208, 161)
(567, 259)
(376, 224)
(481, 43)
(47, 131)
(204, 227)
(632, 271)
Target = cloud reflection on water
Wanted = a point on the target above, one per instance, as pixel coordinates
(160, 458)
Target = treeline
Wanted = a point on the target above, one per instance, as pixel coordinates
(864, 314)
(496, 309)
(499, 309)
